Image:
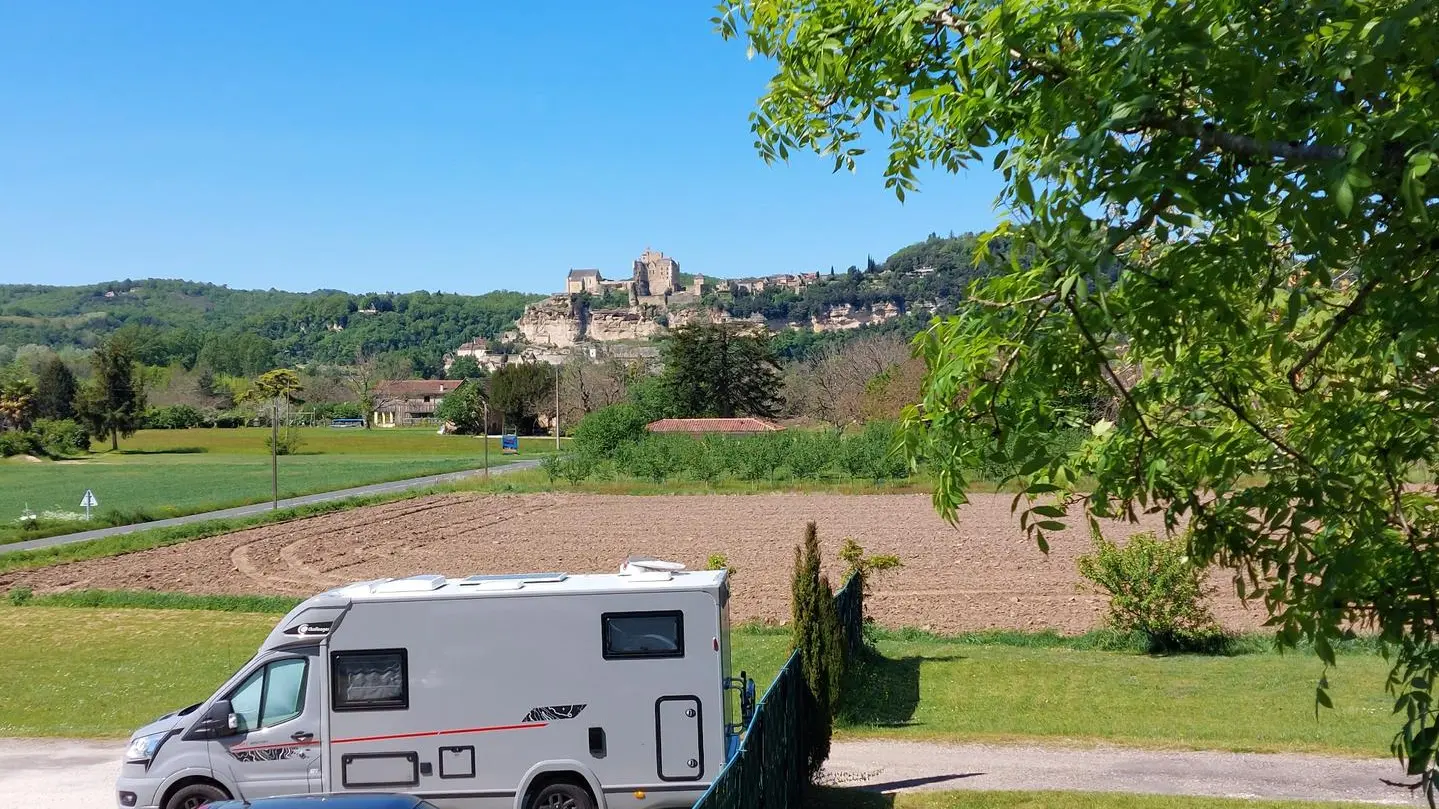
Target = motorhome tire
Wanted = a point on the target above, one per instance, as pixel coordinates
(195, 796)
(561, 795)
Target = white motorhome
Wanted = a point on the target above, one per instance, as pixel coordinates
(560, 691)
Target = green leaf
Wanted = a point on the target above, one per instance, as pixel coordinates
(1344, 196)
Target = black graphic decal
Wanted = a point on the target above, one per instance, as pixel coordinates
(551, 713)
(252, 754)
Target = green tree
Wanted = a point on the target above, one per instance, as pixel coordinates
(113, 403)
(17, 403)
(55, 391)
(465, 408)
(521, 391)
(465, 367)
(1221, 214)
(816, 634)
(720, 369)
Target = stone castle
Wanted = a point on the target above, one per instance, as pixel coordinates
(567, 322)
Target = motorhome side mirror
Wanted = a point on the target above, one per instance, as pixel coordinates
(219, 721)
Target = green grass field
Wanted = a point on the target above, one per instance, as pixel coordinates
(166, 473)
(858, 799)
(72, 671)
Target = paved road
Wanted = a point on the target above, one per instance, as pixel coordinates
(260, 508)
(65, 774)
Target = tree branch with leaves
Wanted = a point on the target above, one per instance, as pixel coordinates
(1230, 222)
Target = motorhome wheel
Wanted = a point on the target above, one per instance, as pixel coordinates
(562, 796)
(194, 796)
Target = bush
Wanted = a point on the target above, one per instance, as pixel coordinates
(17, 442)
(61, 437)
(577, 468)
(603, 433)
(874, 454)
(857, 564)
(288, 444)
(173, 417)
(656, 457)
(809, 454)
(338, 410)
(550, 465)
(719, 561)
(1155, 590)
(20, 595)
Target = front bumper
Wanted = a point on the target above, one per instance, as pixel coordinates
(144, 789)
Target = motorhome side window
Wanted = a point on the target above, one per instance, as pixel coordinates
(274, 694)
(643, 634)
(370, 680)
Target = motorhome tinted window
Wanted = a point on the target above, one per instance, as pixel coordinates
(274, 694)
(370, 680)
(644, 634)
(284, 692)
(245, 701)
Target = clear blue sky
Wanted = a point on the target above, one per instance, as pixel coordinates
(463, 146)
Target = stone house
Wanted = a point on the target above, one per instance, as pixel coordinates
(583, 281)
(409, 402)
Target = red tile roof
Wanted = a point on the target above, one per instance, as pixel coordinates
(739, 425)
(415, 388)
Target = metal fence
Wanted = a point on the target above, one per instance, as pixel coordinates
(768, 771)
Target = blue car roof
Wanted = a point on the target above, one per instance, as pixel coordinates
(346, 801)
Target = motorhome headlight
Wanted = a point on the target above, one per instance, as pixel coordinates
(143, 749)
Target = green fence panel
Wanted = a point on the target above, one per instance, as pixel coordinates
(768, 771)
(849, 603)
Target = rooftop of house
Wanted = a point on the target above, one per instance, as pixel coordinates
(415, 388)
(477, 344)
(578, 274)
(735, 425)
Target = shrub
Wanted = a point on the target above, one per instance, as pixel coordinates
(61, 437)
(1154, 589)
(288, 444)
(656, 457)
(20, 595)
(819, 639)
(17, 442)
(857, 564)
(719, 561)
(550, 465)
(603, 433)
(809, 454)
(172, 417)
(577, 468)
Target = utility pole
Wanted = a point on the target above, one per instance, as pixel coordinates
(486, 432)
(275, 454)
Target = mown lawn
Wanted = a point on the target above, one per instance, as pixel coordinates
(73, 671)
(166, 473)
(858, 799)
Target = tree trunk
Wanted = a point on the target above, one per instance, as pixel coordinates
(114, 440)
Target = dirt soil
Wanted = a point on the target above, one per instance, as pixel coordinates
(980, 574)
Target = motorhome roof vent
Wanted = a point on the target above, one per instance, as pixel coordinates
(413, 584)
(648, 568)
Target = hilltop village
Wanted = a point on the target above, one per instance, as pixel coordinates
(598, 316)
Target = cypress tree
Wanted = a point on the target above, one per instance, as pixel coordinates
(55, 391)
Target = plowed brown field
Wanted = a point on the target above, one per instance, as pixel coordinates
(981, 574)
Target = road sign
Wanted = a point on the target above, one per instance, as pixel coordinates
(510, 444)
(89, 501)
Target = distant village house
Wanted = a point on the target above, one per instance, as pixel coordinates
(409, 402)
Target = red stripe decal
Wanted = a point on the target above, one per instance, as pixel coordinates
(525, 726)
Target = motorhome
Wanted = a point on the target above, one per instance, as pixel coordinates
(593, 691)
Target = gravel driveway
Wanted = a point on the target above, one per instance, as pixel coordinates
(65, 774)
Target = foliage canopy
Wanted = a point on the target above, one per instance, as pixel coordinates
(1227, 221)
